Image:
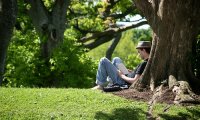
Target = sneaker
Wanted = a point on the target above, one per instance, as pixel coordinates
(98, 87)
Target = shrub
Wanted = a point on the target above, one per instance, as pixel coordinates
(69, 65)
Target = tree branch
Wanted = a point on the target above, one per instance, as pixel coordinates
(59, 17)
(98, 42)
(76, 26)
(111, 4)
(60, 8)
(111, 31)
(112, 47)
(118, 16)
(145, 6)
(39, 15)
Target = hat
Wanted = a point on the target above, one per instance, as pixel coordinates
(144, 44)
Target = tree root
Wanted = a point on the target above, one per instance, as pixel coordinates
(157, 93)
(184, 93)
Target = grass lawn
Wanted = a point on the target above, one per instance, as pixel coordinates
(80, 104)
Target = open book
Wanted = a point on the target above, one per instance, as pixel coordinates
(122, 68)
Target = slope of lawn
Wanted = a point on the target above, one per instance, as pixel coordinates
(80, 104)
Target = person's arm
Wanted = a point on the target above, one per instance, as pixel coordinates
(128, 79)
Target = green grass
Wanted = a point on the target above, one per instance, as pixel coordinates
(79, 104)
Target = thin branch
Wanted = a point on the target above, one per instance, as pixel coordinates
(111, 4)
(118, 16)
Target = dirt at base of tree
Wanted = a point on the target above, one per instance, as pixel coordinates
(131, 94)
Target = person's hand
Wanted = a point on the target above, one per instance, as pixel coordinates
(120, 73)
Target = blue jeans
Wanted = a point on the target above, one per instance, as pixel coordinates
(108, 69)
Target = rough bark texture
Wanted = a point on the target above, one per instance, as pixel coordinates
(175, 25)
(50, 25)
(8, 13)
(112, 47)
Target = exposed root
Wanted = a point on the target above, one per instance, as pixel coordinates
(184, 93)
(152, 102)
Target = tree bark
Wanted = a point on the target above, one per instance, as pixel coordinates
(8, 13)
(175, 25)
(50, 25)
(112, 47)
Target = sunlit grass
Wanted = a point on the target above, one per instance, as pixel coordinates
(76, 104)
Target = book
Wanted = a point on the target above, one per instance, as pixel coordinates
(122, 68)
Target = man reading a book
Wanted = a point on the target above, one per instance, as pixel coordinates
(111, 70)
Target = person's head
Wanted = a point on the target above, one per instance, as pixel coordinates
(144, 48)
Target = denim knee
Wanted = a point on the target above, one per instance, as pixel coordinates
(116, 60)
(103, 60)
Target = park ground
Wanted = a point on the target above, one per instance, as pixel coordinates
(146, 95)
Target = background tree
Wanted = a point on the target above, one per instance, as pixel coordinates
(8, 12)
(103, 16)
(28, 67)
(175, 25)
(49, 24)
(61, 25)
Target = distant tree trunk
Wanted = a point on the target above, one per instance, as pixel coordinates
(175, 25)
(8, 13)
(50, 26)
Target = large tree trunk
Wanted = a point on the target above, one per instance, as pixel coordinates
(8, 13)
(50, 26)
(175, 25)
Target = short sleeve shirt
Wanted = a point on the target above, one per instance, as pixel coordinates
(139, 69)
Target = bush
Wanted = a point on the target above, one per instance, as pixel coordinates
(21, 59)
(72, 67)
(69, 66)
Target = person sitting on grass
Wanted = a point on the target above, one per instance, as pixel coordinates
(108, 69)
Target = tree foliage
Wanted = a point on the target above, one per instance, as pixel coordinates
(68, 63)
(67, 59)
(88, 24)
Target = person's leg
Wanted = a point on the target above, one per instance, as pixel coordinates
(115, 61)
(105, 69)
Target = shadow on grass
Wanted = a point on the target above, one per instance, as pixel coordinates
(191, 114)
(122, 114)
